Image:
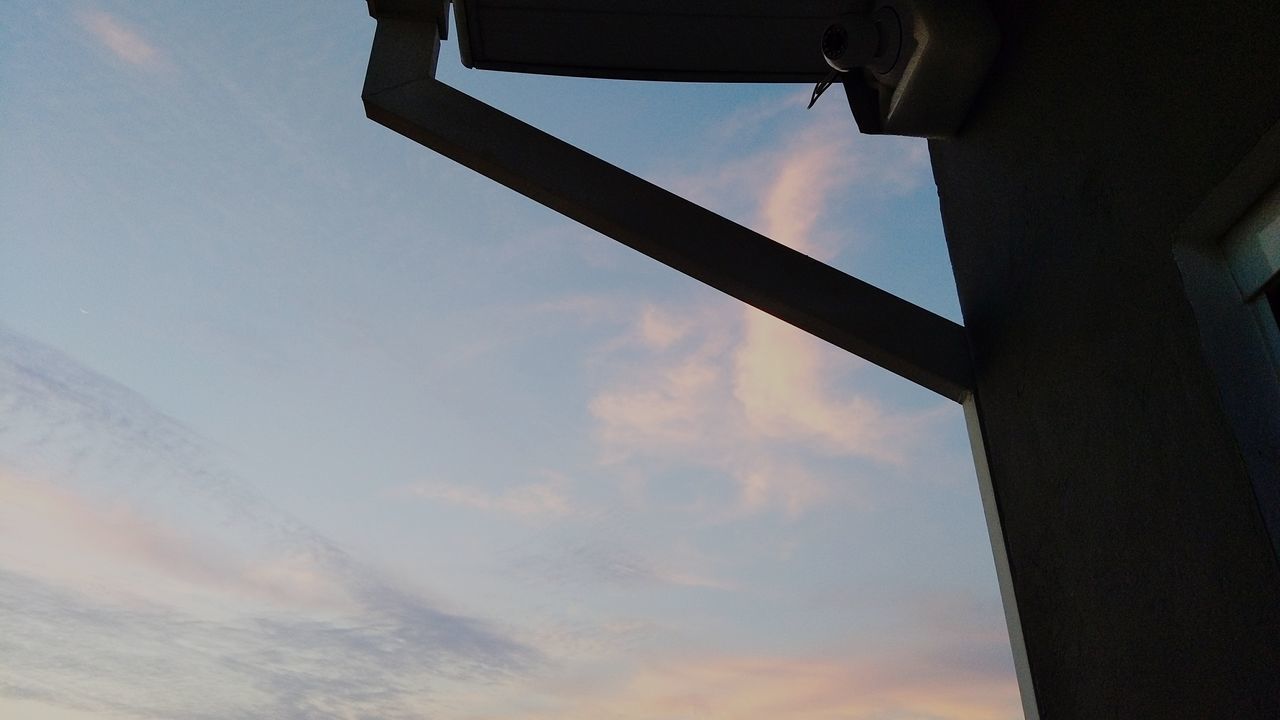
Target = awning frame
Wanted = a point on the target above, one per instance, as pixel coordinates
(401, 93)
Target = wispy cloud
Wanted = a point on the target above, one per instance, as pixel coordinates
(765, 687)
(63, 536)
(547, 498)
(796, 195)
(750, 398)
(277, 621)
(123, 41)
(798, 170)
(601, 560)
(69, 648)
(784, 384)
(954, 664)
(737, 392)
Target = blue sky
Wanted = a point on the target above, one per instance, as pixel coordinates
(301, 420)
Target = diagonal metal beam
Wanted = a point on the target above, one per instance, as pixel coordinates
(401, 93)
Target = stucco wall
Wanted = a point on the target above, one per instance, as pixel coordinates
(1145, 578)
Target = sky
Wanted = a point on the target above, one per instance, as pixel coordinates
(301, 420)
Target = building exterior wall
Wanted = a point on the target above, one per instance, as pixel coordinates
(1132, 495)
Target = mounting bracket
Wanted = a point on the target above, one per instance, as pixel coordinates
(401, 93)
(912, 67)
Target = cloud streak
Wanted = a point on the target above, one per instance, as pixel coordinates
(64, 537)
(601, 561)
(956, 666)
(68, 648)
(123, 41)
(548, 498)
(282, 623)
(770, 687)
(739, 393)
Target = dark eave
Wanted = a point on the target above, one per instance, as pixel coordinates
(672, 40)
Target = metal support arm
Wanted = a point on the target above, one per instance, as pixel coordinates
(402, 94)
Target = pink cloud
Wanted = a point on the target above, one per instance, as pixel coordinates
(731, 389)
(739, 406)
(953, 665)
(798, 193)
(660, 329)
(672, 404)
(761, 687)
(63, 536)
(746, 397)
(123, 41)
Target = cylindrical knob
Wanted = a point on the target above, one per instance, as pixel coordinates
(849, 42)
